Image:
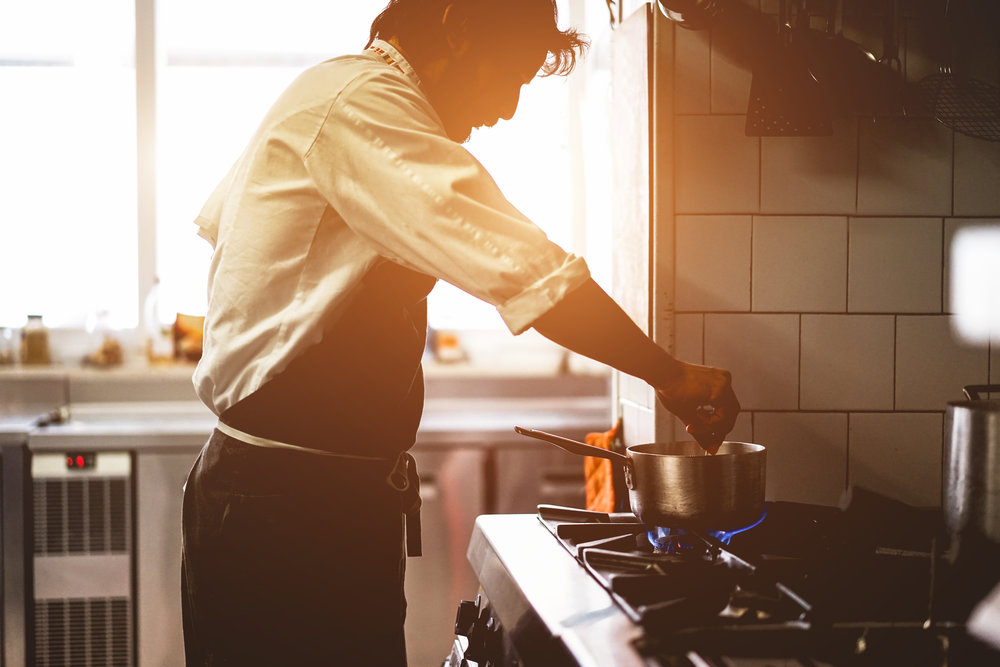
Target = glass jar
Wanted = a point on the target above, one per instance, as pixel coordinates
(35, 342)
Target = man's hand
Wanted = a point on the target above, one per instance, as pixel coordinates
(702, 397)
(590, 323)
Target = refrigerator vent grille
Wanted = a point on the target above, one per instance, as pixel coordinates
(81, 516)
(83, 632)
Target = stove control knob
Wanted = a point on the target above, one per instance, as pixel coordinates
(466, 617)
(485, 641)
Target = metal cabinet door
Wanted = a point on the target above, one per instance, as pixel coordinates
(161, 477)
(529, 476)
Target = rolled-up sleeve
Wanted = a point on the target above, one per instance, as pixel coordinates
(382, 160)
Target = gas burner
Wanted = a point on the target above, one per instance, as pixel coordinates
(672, 540)
(678, 578)
(802, 580)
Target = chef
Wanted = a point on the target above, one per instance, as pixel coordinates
(351, 200)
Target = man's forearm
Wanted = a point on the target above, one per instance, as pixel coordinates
(589, 322)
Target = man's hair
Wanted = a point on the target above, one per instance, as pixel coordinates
(528, 23)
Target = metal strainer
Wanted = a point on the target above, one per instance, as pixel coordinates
(966, 105)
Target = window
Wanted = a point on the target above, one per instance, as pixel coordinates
(68, 175)
(225, 63)
(67, 161)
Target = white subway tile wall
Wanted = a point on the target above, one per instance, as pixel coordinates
(932, 365)
(799, 264)
(904, 167)
(849, 264)
(689, 333)
(977, 176)
(742, 429)
(636, 391)
(691, 74)
(806, 455)
(762, 353)
(713, 263)
(811, 174)
(638, 423)
(897, 454)
(895, 265)
(730, 82)
(717, 165)
(847, 362)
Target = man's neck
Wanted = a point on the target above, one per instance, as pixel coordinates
(429, 72)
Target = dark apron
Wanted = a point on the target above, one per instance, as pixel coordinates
(360, 389)
(297, 558)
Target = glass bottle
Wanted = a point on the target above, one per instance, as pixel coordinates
(35, 342)
(159, 333)
(8, 346)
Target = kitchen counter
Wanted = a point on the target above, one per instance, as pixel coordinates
(172, 382)
(16, 425)
(447, 422)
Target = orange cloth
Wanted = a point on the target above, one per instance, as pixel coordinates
(597, 472)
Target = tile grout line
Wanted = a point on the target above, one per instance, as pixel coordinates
(847, 270)
(952, 184)
(798, 398)
(895, 357)
(944, 253)
(752, 225)
(704, 325)
(847, 454)
(710, 40)
(857, 168)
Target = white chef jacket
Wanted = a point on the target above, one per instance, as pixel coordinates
(351, 167)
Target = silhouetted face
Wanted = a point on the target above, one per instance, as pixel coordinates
(482, 86)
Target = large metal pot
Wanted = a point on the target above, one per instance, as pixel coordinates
(678, 485)
(972, 466)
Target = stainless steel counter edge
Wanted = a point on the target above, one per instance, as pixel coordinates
(446, 423)
(527, 580)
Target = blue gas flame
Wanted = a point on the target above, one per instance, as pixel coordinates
(676, 540)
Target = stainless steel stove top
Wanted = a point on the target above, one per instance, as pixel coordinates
(552, 610)
(565, 588)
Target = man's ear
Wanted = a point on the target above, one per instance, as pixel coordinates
(456, 30)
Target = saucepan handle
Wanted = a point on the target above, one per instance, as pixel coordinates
(572, 446)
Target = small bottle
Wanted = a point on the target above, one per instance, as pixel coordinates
(159, 335)
(9, 351)
(35, 342)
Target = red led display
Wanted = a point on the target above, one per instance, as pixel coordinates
(80, 460)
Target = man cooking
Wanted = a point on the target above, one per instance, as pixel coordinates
(351, 200)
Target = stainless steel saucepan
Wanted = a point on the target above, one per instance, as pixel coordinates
(678, 485)
(972, 465)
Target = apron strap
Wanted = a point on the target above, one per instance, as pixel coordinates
(277, 444)
(404, 478)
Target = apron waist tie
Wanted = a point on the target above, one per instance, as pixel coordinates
(402, 477)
